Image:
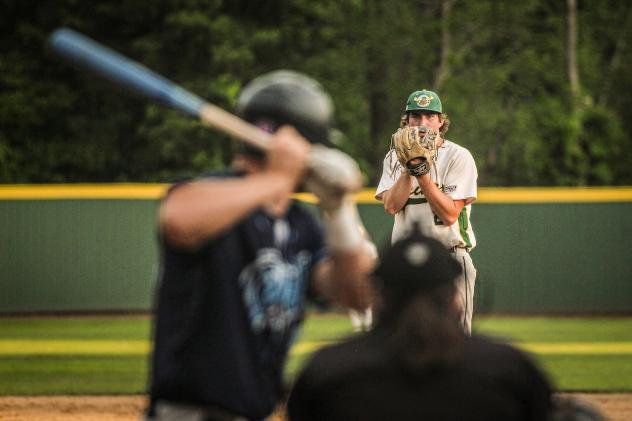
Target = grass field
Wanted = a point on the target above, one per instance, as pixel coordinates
(109, 355)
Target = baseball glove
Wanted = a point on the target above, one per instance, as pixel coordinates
(419, 143)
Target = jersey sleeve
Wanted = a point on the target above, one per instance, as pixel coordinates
(390, 172)
(461, 179)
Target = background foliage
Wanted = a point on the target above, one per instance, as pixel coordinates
(501, 68)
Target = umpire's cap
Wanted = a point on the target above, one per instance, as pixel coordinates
(414, 265)
(288, 97)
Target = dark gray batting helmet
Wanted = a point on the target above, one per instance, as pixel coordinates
(288, 97)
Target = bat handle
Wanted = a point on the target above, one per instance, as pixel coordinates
(214, 116)
(349, 176)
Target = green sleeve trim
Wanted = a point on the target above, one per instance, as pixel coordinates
(463, 225)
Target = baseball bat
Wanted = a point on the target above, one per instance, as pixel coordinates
(87, 54)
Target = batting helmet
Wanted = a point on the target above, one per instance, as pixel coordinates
(424, 101)
(288, 97)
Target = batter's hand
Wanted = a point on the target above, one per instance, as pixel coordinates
(287, 154)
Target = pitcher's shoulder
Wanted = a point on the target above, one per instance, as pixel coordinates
(455, 150)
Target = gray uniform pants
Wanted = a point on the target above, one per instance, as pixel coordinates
(465, 288)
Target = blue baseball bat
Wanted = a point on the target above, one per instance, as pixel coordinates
(87, 54)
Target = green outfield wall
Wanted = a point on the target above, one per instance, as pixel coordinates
(93, 248)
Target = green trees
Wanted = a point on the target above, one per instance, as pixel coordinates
(501, 68)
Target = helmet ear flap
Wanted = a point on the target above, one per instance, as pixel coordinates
(288, 97)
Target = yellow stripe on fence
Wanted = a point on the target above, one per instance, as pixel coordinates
(142, 347)
(578, 347)
(81, 191)
(365, 196)
(554, 194)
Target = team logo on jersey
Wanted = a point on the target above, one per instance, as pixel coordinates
(449, 189)
(272, 289)
(423, 100)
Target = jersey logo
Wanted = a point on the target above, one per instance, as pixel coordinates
(272, 289)
(449, 189)
(416, 192)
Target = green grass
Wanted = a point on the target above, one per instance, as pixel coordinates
(573, 371)
(589, 373)
(73, 375)
(46, 356)
(122, 328)
(557, 329)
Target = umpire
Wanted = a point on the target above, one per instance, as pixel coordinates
(240, 259)
(417, 363)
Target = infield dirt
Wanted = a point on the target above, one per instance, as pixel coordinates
(615, 407)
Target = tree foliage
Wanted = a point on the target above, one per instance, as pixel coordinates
(500, 66)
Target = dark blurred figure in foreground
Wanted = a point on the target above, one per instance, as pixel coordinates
(417, 364)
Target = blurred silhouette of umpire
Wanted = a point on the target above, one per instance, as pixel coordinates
(417, 364)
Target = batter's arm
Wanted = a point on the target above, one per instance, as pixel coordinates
(396, 197)
(200, 210)
(442, 205)
(197, 211)
(344, 276)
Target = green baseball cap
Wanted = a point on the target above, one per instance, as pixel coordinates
(424, 100)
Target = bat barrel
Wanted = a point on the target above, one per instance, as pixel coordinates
(86, 53)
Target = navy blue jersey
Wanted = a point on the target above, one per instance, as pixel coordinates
(227, 312)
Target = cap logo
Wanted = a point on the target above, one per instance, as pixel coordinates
(417, 254)
(423, 100)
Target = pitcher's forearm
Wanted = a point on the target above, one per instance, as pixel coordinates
(396, 197)
(442, 205)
